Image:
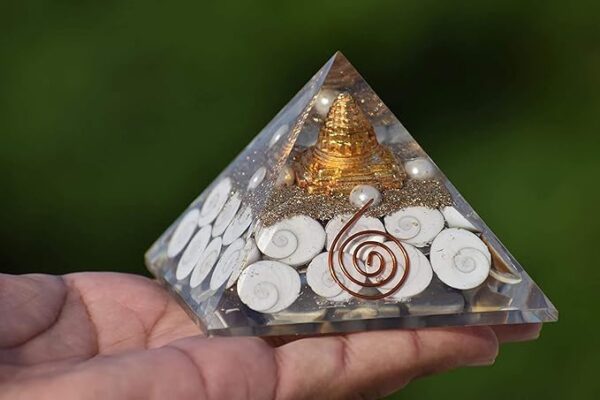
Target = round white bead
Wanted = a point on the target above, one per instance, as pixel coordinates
(324, 100)
(282, 130)
(286, 176)
(361, 194)
(420, 168)
(257, 178)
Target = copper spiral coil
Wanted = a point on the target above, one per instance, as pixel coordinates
(370, 258)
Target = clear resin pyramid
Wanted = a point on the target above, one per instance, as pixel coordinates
(333, 219)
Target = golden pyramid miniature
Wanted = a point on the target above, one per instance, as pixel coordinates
(347, 154)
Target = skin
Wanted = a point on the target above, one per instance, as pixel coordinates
(120, 336)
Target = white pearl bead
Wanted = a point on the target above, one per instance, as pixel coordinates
(420, 168)
(361, 194)
(282, 130)
(257, 178)
(286, 176)
(324, 100)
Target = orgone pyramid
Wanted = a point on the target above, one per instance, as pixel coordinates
(333, 219)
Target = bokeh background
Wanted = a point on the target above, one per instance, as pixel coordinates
(114, 115)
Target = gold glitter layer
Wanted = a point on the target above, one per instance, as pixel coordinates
(286, 202)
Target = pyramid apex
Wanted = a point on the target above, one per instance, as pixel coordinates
(339, 57)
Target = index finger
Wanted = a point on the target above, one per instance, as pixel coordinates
(375, 364)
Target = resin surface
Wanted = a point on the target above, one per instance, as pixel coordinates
(333, 219)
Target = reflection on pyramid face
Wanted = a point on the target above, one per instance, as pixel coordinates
(333, 219)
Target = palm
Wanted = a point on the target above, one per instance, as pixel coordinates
(117, 336)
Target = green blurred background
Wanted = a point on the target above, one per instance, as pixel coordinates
(114, 115)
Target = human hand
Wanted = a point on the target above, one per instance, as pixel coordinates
(120, 336)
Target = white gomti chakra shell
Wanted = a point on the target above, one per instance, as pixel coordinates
(230, 261)
(214, 202)
(460, 259)
(207, 260)
(455, 219)
(504, 277)
(419, 272)
(268, 286)
(192, 253)
(322, 283)
(252, 255)
(183, 233)
(294, 241)
(334, 226)
(257, 178)
(415, 225)
(226, 215)
(238, 226)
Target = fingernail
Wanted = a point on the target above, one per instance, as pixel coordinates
(482, 363)
(533, 334)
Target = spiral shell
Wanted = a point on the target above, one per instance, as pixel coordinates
(268, 286)
(321, 282)
(182, 234)
(192, 253)
(460, 259)
(419, 277)
(207, 260)
(231, 260)
(335, 225)
(293, 241)
(214, 202)
(455, 219)
(502, 270)
(237, 226)
(505, 277)
(252, 255)
(226, 215)
(415, 225)
(376, 267)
